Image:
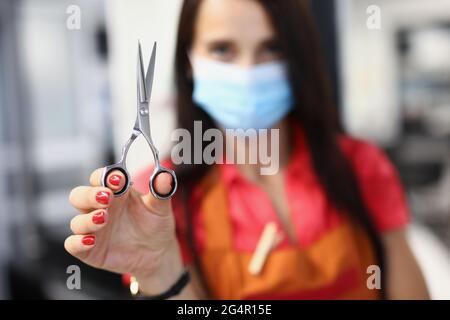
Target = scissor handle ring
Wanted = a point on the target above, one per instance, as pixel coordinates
(158, 170)
(108, 169)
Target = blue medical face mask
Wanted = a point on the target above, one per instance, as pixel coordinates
(235, 97)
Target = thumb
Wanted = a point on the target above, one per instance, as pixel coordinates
(163, 185)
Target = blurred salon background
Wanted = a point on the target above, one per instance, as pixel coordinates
(67, 104)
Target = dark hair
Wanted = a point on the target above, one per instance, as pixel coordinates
(314, 111)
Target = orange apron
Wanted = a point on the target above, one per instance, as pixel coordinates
(334, 267)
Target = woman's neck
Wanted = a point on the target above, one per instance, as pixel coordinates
(268, 148)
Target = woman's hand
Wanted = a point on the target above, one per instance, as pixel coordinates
(133, 233)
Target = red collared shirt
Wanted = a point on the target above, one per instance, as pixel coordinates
(311, 213)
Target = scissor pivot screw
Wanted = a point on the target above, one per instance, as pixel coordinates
(143, 111)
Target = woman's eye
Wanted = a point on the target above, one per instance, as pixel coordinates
(272, 49)
(222, 51)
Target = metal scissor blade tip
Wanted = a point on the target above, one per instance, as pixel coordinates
(139, 53)
(152, 58)
(150, 72)
(139, 48)
(140, 76)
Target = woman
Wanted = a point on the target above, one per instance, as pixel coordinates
(336, 201)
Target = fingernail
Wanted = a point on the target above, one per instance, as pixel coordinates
(99, 217)
(114, 179)
(88, 240)
(102, 197)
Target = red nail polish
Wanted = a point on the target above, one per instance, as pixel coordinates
(102, 197)
(99, 217)
(88, 240)
(114, 180)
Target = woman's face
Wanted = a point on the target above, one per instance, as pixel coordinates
(234, 31)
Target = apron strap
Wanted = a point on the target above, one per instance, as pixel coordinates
(214, 213)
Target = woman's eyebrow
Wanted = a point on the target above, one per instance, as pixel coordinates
(269, 41)
(219, 40)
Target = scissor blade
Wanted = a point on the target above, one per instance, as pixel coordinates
(150, 73)
(141, 90)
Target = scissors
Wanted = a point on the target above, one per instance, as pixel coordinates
(142, 127)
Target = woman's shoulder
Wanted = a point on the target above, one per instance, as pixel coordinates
(361, 150)
(379, 181)
(366, 157)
